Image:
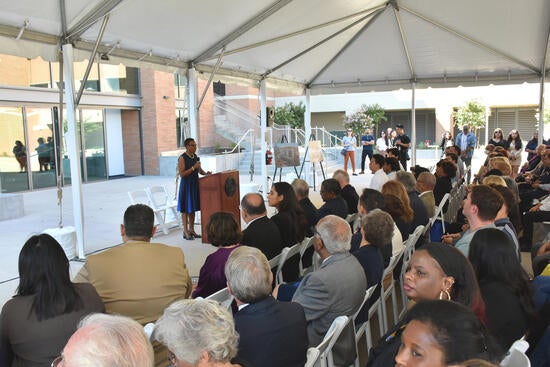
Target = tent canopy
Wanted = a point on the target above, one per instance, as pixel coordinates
(330, 46)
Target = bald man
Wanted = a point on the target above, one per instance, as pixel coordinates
(261, 232)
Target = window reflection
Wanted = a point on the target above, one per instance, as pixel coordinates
(13, 152)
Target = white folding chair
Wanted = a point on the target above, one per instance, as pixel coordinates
(274, 262)
(161, 205)
(306, 243)
(389, 291)
(321, 355)
(360, 328)
(223, 297)
(286, 254)
(516, 357)
(139, 197)
(438, 215)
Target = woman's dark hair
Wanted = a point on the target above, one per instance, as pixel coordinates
(494, 258)
(465, 289)
(449, 168)
(44, 274)
(187, 141)
(371, 199)
(393, 162)
(459, 333)
(291, 207)
(222, 230)
(518, 143)
(397, 209)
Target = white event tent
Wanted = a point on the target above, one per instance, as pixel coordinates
(319, 46)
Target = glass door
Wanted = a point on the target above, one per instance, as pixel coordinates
(14, 154)
(93, 145)
(41, 146)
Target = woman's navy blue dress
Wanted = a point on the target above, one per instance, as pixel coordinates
(189, 200)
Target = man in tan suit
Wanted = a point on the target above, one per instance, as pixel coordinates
(138, 279)
(425, 184)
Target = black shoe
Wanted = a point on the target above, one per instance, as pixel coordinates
(196, 235)
(362, 172)
(188, 238)
(355, 174)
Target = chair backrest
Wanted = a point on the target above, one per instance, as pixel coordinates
(368, 293)
(516, 356)
(139, 197)
(312, 356)
(223, 297)
(324, 356)
(274, 261)
(158, 195)
(286, 254)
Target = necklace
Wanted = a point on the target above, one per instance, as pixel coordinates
(190, 156)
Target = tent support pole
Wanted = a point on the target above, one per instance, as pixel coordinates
(307, 128)
(216, 67)
(193, 110)
(413, 124)
(263, 125)
(542, 81)
(73, 149)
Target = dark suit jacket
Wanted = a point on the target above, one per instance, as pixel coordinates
(311, 214)
(272, 333)
(263, 234)
(349, 194)
(336, 206)
(420, 212)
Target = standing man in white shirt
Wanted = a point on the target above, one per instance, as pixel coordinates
(379, 178)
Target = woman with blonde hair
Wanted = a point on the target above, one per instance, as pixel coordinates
(502, 164)
(498, 139)
(494, 180)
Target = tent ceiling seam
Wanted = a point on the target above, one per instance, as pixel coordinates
(377, 12)
(403, 40)
(297, 33)
(89, 19)
(63, 17)
(257, 19)
(307, 50)
(471, 40)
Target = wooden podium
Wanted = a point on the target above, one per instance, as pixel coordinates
(219, 192)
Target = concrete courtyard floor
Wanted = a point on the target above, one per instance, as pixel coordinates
(104, 206)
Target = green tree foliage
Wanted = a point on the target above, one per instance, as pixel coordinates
(368, 116)
(290, 114)
(472, 114)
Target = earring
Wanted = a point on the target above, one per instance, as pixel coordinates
(446, 292)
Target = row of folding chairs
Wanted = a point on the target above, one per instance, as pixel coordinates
(277, 262)
(455, 202)
(163, 206)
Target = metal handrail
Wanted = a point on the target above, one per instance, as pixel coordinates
(238, 144)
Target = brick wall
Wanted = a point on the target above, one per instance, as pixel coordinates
(130, 142)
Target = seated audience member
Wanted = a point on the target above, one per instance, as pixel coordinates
(444, 173)
(406, 216)
(261, 232)
(504, 284)
(425, 184)
(291, 221)
(455, 149)
(377, 228)
(532, 163)
(417, 170)
(435, 272)
(433, 338)
(198, 333)
(494, 180)
(480, 207)
(334, 203)
(223, 232)
(538, 185)
(537, 213)
(301, 189)
(379, 177)
(138, 279)
(37, 322)
(420, 217)
(107, 341)
(391, 166)
(531, 146)
(394, 153)
(348, 193)
(321, 292)
(369, 200)
(451, 157)
(503, 218)
(271, 333)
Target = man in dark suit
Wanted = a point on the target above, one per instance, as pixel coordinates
(334, 203)
(348, 193)
(337, 288)
(261, 232)
(272, 333)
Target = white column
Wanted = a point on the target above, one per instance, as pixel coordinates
(263, 124)
(307, 128)
(193, 111)
(73, 149)
(487, 113)
(541, 107)
(413, 126)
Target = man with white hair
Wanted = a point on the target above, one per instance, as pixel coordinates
(271, 333)
(105, 341)
(337, 288)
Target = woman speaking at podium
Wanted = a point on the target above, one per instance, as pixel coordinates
(189, 167)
